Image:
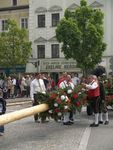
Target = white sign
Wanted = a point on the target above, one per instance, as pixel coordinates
(58, 65)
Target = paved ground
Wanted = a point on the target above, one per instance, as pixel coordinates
(101, 138)
(27, 135)
(18, 100)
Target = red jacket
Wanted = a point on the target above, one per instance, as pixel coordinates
(60, 80)
(94, 92)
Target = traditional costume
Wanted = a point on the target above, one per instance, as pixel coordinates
(93, 97)
(102, 105)
(66, 84)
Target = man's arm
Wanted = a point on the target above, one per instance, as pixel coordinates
(92, 86)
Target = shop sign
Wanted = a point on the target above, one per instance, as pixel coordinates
(58, 65)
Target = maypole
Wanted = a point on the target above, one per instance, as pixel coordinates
(17, 115)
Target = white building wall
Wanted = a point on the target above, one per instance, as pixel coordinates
(108, 27)
(49, 31)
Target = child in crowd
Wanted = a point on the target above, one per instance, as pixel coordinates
(2, 110)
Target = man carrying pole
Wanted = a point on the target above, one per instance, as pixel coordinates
(37, 86)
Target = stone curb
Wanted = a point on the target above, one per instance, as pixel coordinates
(19, 103)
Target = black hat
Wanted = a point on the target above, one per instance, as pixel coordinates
(99, 71)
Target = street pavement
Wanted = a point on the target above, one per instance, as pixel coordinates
(18, 101)
(25, 134)
(101, 138)
(14, 100)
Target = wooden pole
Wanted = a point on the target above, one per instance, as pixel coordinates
(17, 115)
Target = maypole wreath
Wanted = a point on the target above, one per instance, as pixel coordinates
(62, 100)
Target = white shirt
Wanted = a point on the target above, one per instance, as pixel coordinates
(91, 86)
(75, 80)
(14, 81)
(37, 86)
(64, 84)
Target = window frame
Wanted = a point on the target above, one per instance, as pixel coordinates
(3, 28)
(12, 2)
(54, 22)
(25, 23)
(39, 53)
(42, 23)
(55, 51)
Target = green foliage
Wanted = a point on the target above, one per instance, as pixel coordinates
(81, 34)
(61, 101)
(15, 48)
(83, 3)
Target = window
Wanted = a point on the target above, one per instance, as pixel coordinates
(40, 51)
(55, 19)
(55, 50)
(41, 21)
(4, 25)
(14, 2)
(24, 23)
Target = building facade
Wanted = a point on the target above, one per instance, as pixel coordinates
(17, 10)
(46, 51)
(14, 9)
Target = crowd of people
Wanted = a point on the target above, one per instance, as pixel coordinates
(92, 85)
(30, 86)
(41, 85)
(14, 87)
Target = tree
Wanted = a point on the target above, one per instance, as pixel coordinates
(15, 49)
(81, 34)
